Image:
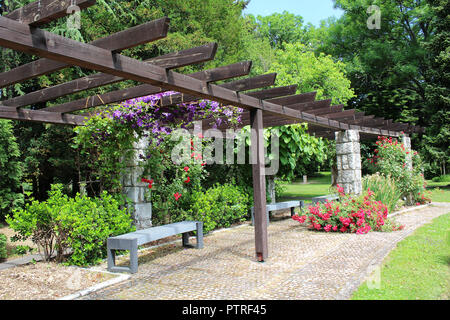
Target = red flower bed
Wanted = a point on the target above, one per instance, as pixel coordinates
(352, 214)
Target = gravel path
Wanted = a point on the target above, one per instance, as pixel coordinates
(302, 264)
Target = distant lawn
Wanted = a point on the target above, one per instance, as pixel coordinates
(440, 191)
(318, 185)
(418, 269)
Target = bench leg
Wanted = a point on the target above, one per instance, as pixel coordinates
(134, 257)
(111, 259)
(292, 211)
(185, 239)
(199, 235)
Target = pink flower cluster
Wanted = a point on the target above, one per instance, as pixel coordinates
(350, 214)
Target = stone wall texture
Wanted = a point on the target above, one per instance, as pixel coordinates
(407, 144)
(348, 156)
(135, 189)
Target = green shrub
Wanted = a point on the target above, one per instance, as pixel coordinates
(3, 254)
(443, 178)
(385, 190)
(82, 224)
(88, 223)
(38, 222)
(11, 170)
(21, 250)
(219, 206)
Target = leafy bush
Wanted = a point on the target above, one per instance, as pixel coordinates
(280, 188)
(38, 222)
(443, 178)
(81, 223)
(21, 250)
(219, 206)
(11, 170)
(350, 214)
(385, 190)
(3, 253)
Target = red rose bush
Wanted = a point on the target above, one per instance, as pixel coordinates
(353, 214)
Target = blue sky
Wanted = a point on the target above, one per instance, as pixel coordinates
(311, 10)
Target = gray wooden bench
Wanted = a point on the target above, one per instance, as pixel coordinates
(131, 241)
(324, 198)
(280, 206)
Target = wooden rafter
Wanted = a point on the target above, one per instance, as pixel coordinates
(169, 61)
(211, 75)
(40, 116)
(252, 83)
(294, 99)
(239, 85)
(147, 32)
(273, 92)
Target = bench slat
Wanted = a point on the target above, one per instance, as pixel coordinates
(156, 233)
(282, 205)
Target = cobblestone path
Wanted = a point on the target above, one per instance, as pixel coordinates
(302, 264)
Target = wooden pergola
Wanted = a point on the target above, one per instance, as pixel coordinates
(19, 30)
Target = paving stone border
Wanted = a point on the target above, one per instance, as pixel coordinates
(118, 279)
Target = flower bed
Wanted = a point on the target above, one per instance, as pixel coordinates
(354, 214)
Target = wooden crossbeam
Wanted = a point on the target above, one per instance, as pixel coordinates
(40, 116)
(186, 57)
(45, 11)
(310, 106)
(169, 61)
(147, 32)
(273, 92)
(276, 120)
(298, 98)
(211, 75)
(362, 120)
(238, 85)
(252, 83)
(326, 110)
(340, 114)
(306, 106)
(182, 98)
(17, 36)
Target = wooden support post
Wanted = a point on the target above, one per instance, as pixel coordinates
(259, 184)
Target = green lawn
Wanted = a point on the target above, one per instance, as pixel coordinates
(440, 191)
(417, 269)
(318, 185)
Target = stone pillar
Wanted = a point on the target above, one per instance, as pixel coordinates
(407, 144)
(406, 141)
(348, 156)
(135, 189)
(271, 188)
